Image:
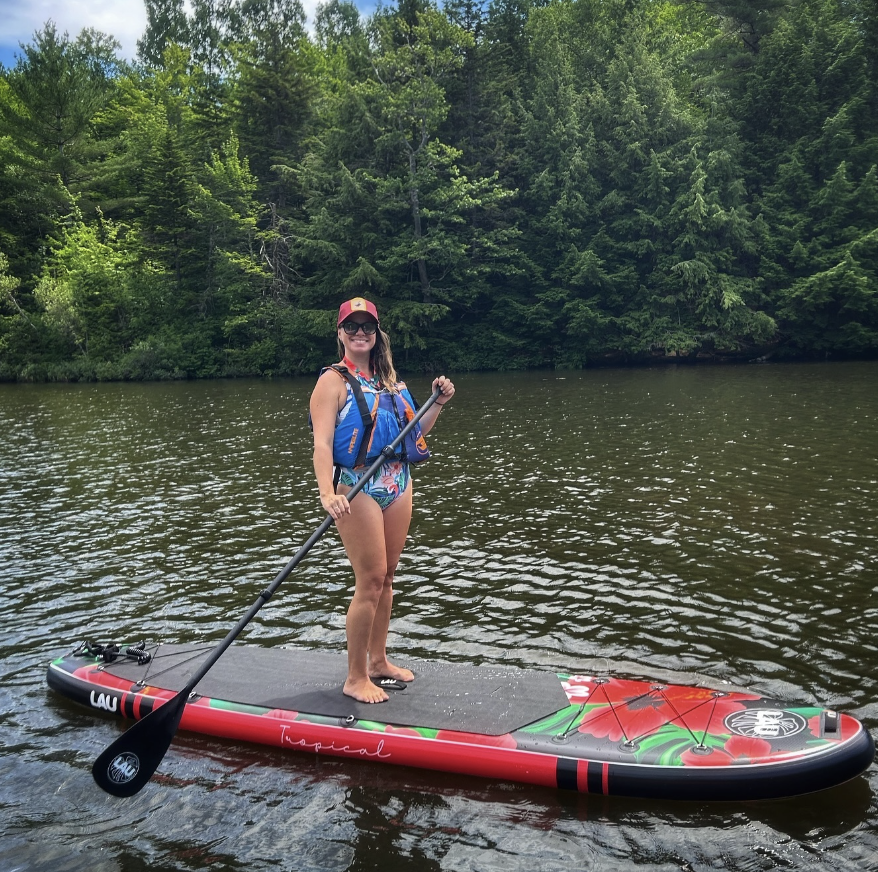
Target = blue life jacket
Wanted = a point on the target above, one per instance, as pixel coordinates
(371, 419)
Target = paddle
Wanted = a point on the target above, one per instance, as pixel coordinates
(126, 765)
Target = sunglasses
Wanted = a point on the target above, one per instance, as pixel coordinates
(351, 327)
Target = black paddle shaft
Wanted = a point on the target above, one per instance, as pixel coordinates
(129, 762)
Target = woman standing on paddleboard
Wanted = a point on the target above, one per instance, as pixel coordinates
(358, 406)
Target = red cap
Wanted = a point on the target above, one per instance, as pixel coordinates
(358, 304)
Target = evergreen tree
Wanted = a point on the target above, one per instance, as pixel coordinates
(166, 24)
(210, 28)
(57, 87)
(409, 102)
(168, 188)
(336, 23)
(704, 284)
(225, 216)
(52, 143)
(274, 90)
(812, 156)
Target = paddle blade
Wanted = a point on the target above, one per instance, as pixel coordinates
(126, 765)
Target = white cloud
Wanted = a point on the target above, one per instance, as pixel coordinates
(123, 19)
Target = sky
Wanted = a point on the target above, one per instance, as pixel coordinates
(123, 19)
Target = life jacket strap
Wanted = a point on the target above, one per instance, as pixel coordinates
(365, 414)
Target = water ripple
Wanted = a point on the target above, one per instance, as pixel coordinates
(711, 521)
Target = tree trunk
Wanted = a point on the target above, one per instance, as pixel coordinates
(426, 293)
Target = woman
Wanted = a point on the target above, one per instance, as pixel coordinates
(373, 527)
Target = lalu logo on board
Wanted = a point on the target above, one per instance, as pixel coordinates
(105, 701)
(765, 723)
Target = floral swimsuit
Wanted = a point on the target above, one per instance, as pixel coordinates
(386, 486)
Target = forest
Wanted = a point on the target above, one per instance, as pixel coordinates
(515, 183)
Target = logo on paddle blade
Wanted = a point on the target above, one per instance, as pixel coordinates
(123, 767)
(765, 723)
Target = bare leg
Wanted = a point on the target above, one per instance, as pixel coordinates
(397, 518)
(362, 533)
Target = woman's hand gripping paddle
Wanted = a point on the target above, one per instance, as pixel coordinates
(129, 762)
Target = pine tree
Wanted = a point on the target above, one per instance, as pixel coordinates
(409, 103)
(336, 23)
(210, 26)
(166, 24)
(55, 90)
(274, 90)
(168, 189)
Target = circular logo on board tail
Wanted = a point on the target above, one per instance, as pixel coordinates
(765, 723)
(123, 767)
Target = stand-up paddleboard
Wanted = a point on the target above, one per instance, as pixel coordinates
(595, 734)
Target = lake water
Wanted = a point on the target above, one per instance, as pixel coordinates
(711, 521)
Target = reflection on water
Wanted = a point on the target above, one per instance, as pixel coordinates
(718, 520)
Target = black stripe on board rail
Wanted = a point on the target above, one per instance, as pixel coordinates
(128, 705)
(566, 773)
(569, 775)
(135, 705)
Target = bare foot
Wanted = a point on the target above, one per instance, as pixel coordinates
(388, 670)
(364, 691)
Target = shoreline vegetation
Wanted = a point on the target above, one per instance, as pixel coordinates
(518, 184)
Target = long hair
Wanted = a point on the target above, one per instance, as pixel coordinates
(381, 359)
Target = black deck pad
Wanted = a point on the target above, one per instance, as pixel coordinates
(444, 696)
